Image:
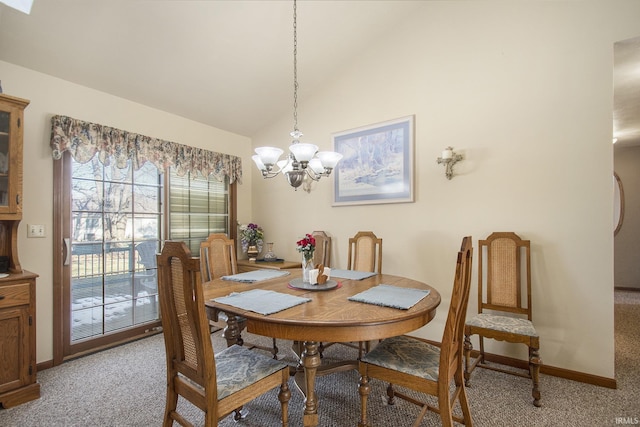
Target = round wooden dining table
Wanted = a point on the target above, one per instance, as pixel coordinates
(329, 317)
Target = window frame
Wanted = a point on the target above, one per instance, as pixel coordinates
(232, 214)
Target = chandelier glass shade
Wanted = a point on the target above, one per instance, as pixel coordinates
(303, 161)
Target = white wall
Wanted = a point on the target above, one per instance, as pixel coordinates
(50, 96)
(627, 241)
(524, 90)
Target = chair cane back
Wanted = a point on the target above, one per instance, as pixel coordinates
(504, 284)
(365, 252)
(220, 384)
(418, 365)
(217, 259)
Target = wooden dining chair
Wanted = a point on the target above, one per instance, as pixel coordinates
(217, 259)
(504, 284)
(322, 254)
(418, 365)
(220, 384)
(365, 252)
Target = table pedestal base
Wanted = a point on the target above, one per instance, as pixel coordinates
(310, 367)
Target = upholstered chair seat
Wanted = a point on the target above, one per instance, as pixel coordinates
(408, 355)
(237, 367)
(512, 325)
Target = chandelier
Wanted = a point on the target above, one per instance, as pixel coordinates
(304, 162)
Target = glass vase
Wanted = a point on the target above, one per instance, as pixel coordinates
(307, 265)
(270, 256)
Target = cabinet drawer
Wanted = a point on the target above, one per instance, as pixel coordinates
(13, 295)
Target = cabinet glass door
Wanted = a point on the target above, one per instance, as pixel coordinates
(4, 158)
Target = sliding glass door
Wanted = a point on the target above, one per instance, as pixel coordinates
(111, 236)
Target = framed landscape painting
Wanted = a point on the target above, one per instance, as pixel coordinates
(377, 164)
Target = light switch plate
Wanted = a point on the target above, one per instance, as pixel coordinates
(35, 230)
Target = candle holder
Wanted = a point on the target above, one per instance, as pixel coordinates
(448, 159)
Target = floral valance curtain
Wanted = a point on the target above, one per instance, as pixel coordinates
(84, 140)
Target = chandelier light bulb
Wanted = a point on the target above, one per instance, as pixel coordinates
(316, 165)
(258, 162)
(269, 155)
(303, 152)
(329, 159)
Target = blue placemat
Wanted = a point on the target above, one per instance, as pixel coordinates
(256, 275)
(391, 296)
(351, 274)
(262, 301)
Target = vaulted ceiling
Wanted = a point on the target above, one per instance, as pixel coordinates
(226, 63)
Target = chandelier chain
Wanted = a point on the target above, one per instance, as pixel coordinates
(304, 163)
(295, 68)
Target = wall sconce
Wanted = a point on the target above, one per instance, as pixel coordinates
(449, 158)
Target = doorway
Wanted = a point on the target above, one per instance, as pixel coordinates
(626, 158)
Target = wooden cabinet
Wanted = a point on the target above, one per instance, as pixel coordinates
(245, 265)
(11, 134)
(18, 339)
(17, 287)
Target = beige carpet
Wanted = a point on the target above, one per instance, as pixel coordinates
(125, 386)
